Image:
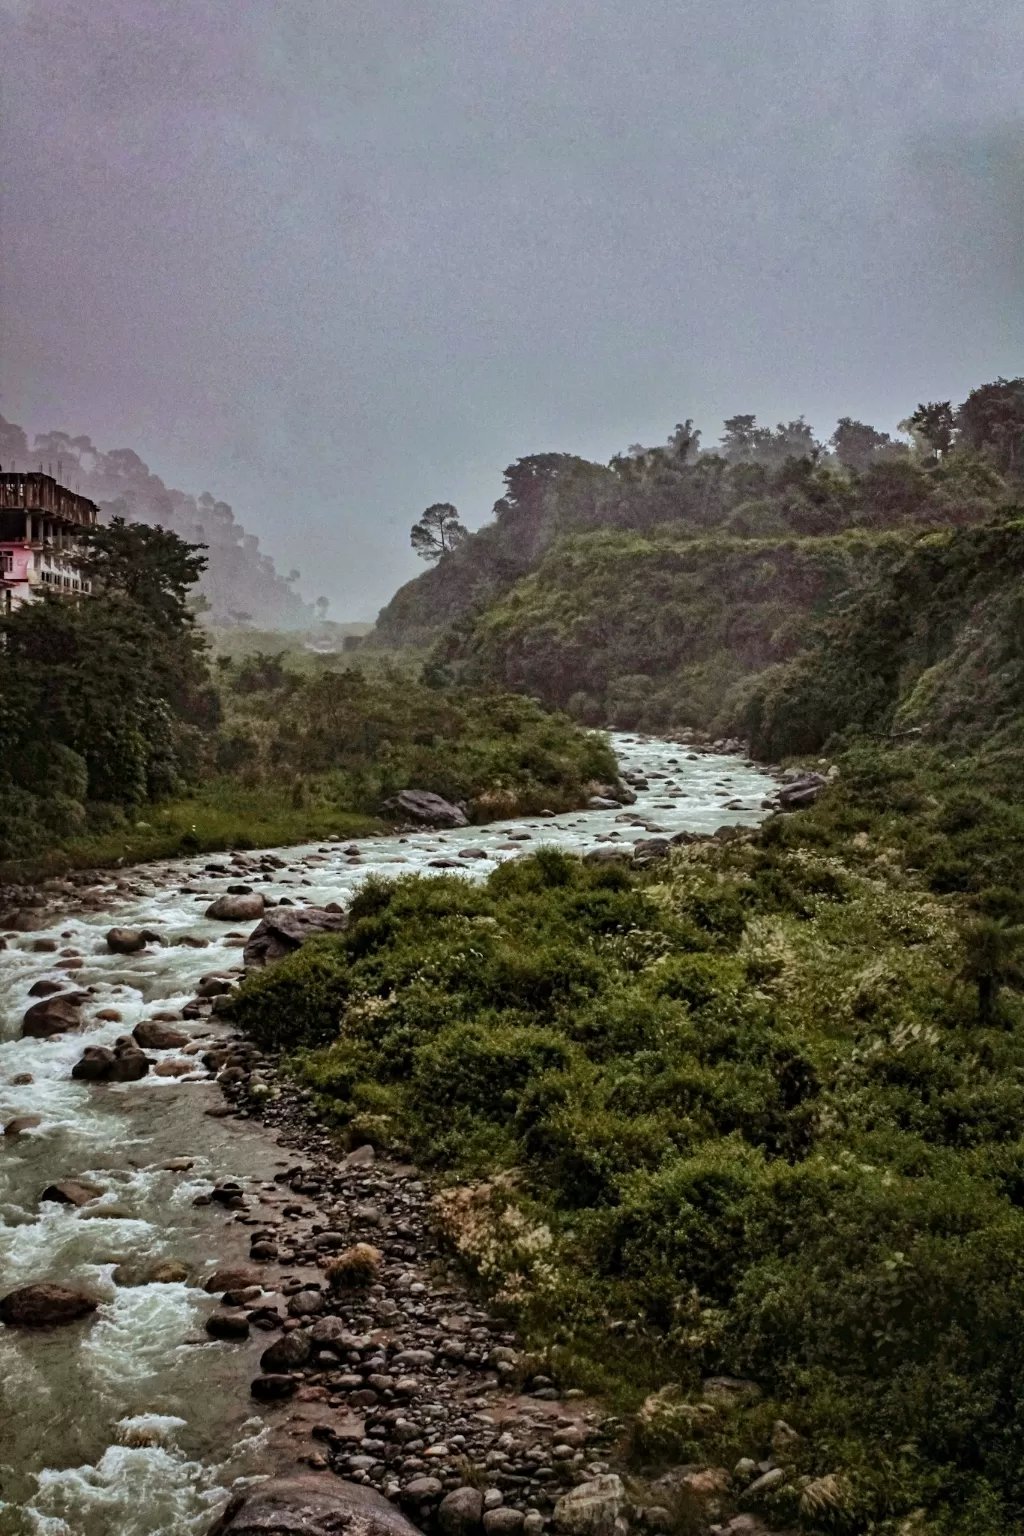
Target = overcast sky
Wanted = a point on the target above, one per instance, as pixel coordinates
(336, 259)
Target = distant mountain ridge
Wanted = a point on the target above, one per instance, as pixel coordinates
(240, 584)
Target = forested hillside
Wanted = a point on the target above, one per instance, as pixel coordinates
(239, 584)
(642, 593)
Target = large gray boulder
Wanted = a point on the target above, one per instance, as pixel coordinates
(309, 1506)
(126, 941)
(424, 809)
(285, 929)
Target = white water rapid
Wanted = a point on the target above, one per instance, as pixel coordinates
(133, 1422)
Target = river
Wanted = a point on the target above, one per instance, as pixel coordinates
(133, 1422)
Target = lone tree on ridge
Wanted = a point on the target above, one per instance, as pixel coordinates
(437, 532)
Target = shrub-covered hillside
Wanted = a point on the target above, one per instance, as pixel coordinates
(756, 482)
(933, 646)
(647, 631)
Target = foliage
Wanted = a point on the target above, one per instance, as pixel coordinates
(751, 1124)
(956, 471)
(652, 630)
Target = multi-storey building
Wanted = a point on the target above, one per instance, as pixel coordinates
(41, 524)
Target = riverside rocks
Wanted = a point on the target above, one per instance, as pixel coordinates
(71, 1192)
(284, 929)
(44, 1306)
(306, 1506)
(124, 1064)
(424, 809)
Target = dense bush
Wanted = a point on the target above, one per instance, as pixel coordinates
(755, 1125)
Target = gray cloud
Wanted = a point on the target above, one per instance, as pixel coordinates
(337, 262)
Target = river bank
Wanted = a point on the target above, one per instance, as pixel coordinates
(72, 1399)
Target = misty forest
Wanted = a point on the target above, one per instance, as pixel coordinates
(547, 1060)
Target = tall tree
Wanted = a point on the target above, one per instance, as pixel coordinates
(438, 531)
(991, 420)
(856, 444)
(153, 567)
(932, 424)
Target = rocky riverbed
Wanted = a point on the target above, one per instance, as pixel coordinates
(259, 1303)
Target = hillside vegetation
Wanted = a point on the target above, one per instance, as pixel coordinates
(648, 631)
(640, 593)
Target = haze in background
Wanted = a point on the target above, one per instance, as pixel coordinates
(334, 262)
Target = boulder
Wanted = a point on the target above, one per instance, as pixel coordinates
(125, 941)
(236, 909)
(620, 853)
(129, 1063)
(22, 1123)
(309, 1506)
(801, 792)
(235, 1278)
(53, 1016)
(424, 809)
(461, 1511)
(45, 988)
(649, 848)
(284, 929)
(227, 1325)
(151, 1035)
(44, 1306)
(95, 1064)
(286, 1353)
(71, 1192)
(591, 1509)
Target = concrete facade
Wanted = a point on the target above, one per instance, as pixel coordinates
(41, 525)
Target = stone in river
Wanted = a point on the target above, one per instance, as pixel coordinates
(53, 1016)
(95, 1064)
(176, 1066)
(234, 909)
(151, 1035)
(286, 1353)
(311, 1506)
(282, 932)
(22, 1123)
(129, 1062)
(71, 1192)
(45, 988)
(191, 941)
(125, 941)
(44, 1306)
